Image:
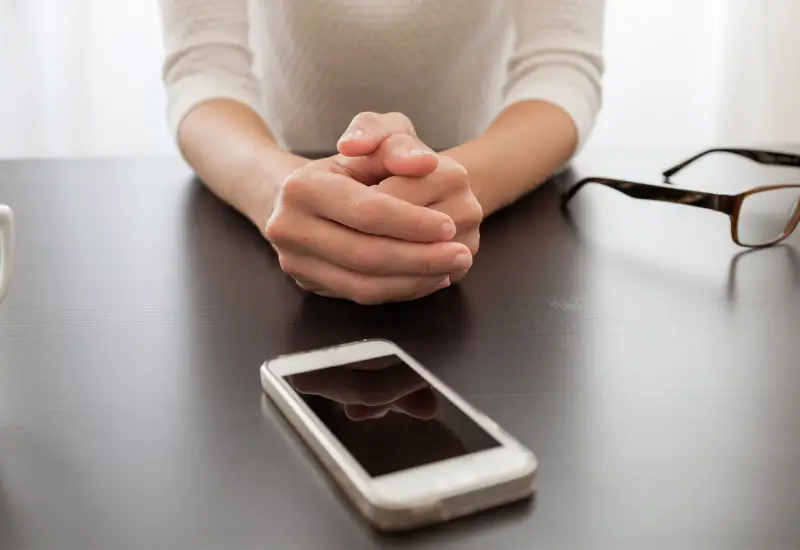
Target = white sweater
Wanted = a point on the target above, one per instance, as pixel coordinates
(308, 66)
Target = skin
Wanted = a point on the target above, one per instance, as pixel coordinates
(445, 185)
(386, 219)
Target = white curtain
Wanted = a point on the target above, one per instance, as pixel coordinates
(80, 78)
(760, 77)
(692, 73)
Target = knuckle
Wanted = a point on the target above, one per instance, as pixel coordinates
(475, 212)
(469, 215)
(278, 229)
(396, 142)
(400, 119)
(473, 242)
(339, 165)
(367, 118)
(453, 173)
(294, 188)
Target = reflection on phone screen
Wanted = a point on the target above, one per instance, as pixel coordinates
(387, 416)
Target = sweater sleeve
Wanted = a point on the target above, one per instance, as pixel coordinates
(557, 57)
(207, 55)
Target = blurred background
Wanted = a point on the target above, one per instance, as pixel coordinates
(82, 77)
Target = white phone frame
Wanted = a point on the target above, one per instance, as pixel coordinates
(416, 496)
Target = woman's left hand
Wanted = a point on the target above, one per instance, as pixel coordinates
(447, 190)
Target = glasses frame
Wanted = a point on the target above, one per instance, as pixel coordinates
(731, 205)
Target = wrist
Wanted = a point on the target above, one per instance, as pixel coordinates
(274, 166)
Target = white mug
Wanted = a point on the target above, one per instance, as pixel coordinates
(6, 248)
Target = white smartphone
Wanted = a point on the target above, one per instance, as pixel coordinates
(405, 448)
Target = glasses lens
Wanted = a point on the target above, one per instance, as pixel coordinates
(768, 216)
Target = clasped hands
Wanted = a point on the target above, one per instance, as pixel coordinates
(387, 219)
(371, 392)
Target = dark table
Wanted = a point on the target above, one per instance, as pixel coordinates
(650, 364)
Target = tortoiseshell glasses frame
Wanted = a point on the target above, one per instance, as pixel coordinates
(731, 205)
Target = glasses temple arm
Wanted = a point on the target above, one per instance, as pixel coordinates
(771, 158)
(645, 191)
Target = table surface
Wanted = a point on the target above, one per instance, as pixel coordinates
(650, 364)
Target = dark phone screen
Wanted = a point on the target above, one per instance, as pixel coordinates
(387, 416)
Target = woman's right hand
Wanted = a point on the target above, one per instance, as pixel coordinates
(338, 237)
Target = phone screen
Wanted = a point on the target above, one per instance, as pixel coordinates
(387, 416)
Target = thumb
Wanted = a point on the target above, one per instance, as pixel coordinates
(392, 137)
(397, 155)
(368, 130)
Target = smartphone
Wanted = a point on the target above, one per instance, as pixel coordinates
(404, 447)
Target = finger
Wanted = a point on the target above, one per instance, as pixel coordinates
(369, 254)
(368, 130)
(467, 213)
(449, 179)
(362, 289)
(444, 283)
(341, 199)
(471, 239)
(308, 285)
(404, 155)
(398, 154)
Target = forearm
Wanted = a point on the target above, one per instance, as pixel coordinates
(233, 152)
(525, 145)
(213, 98)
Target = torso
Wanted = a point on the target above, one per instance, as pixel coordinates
(321, 62)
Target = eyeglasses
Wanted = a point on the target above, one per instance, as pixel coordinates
(760, 217)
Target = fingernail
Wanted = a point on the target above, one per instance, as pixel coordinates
(419, 152)
(444, 283)
(463, 261)
(353, 133)
(449, 230)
